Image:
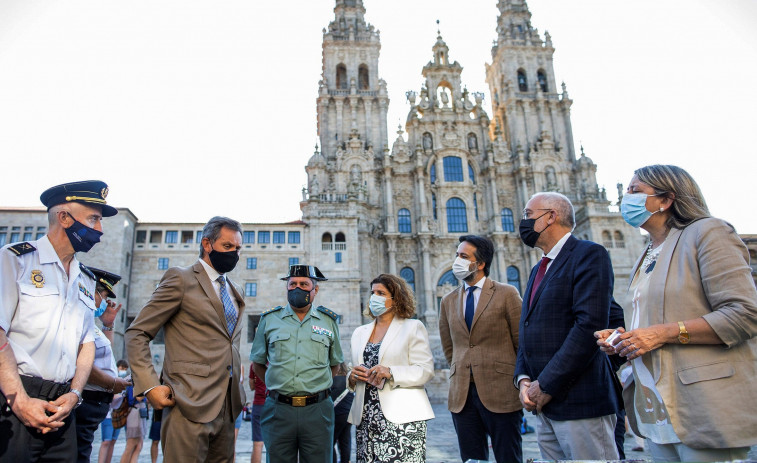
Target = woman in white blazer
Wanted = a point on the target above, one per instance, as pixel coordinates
(393, 361)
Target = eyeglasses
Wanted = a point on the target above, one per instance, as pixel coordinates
(527, 213)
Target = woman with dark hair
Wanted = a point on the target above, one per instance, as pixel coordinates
(690, 338)
(393, 362)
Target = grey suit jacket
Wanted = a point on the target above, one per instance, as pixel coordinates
(489, 348)
(201, 358)
(709, 390)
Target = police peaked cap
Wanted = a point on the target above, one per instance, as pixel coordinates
(307, 271)
(89, 192)
(106, 279)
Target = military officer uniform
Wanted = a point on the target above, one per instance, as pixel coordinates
(298, 415)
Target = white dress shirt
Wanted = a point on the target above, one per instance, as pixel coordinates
(476, 293)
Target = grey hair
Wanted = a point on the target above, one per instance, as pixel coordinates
(560, 203)
(212, 229)
(677, 184)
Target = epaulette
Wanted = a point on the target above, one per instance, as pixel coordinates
(271, 310)
(87, 271)
(20, 249)
(328, 312)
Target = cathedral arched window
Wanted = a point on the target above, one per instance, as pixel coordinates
(457, 219)
(432, 173)
(606, 239)
(541, 76)
(339, 238)
(433, 204)
(363, 81)
(522, 81)
(341, 77)
(403, 221)
(475, 207)
(508, 224)
(326, 244)
(471, 174)
(453, 169)
(326, 238)
(447, 279)
(513, 276)
(619, 241)
(408, 275)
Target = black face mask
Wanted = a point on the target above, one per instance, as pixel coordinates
(528, 235)
(223, 261)
(81, 236)
(298, 298)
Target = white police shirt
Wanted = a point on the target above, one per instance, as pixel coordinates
(104, 359)
(45, 314)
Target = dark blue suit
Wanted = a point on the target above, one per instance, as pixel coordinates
(557, 345)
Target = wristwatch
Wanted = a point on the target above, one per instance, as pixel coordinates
(683, 335)
(78, 394)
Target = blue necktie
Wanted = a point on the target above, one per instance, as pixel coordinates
(228, 308)
(470, 306)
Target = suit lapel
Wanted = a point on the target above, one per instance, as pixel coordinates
(364, 336)
(394, 328)
(459, 308)
(483, 300)
(561, 259)
(210, 292)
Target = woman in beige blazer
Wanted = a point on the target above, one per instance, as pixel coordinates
(393, 361)
(690, 338)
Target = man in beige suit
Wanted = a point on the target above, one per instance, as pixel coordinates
(478, 326)
(199, 387)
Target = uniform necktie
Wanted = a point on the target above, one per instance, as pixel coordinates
(228, 308)
(539, 276)
(469, 306)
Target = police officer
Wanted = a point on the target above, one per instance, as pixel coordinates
(103, 379)
(47, 326)
(300, 345)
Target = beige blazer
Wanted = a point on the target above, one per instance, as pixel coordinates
(201, 361)
(404, 349)
(710, 391)
(489, 349)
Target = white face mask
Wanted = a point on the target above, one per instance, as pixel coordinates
(377, 305)
(462, 268)
(123, 373)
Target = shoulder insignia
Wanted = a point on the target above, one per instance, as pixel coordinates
(87, 271)
(328, 312)
(20, 249)
(278, 307)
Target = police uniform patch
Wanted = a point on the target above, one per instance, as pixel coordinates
(86, 292)
(320, 330)
(21, 248)
(87, 271)
(38, 279)
(271, 310)
(328, 312)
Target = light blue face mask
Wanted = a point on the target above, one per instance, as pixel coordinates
(633, 208)
(377, 305)
(101, 308)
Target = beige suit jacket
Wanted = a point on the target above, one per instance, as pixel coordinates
(709, 390)
(201, 358)
(489, 349)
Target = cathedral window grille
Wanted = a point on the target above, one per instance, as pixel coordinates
(408, 275)
(508, 224)
(326, 242)
(362, 77)
(248, 237)
(403, 221)
(542, 78)
(619, 241)
(522, 81)
(172, 236)
(471, 173)
(252, 263)
(513, 276)
(475, 207)
(264, 237)
(341, 77)
(162, 263)
(338, 257)
(606, 239)
(433, 205)
(453, 169)
(432, 174)
(339, 244)
(447, 279)
(294, 261)
(457, 220)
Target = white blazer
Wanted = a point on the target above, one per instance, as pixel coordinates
(405, 349)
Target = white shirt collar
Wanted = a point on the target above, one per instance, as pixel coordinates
(212, 273)
(479, 284)
(552, 255)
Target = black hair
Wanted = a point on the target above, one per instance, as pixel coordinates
(484, 250)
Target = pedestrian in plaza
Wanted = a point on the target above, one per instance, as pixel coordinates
(109, 434)
(47, 326)
(198, 309)
(392, 362)
(136, 426)
(559, 371)
(157, 417)
(103, 380)
(342, 398)
(296, 350)
(258, 400)
(691, 338)
(478, 326)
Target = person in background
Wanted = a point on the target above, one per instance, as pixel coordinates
(135, 427)
(258, 400)
(157, 416)
(342, 397)
(108, 433)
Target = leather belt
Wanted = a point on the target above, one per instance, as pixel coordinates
(39, 388)
(97, 396)
(301, 400)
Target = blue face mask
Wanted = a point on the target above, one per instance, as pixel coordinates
(81, 236)
(377, 305)
(101, 308)
(633, 208)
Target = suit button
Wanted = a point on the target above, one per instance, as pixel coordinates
(471, 345)
(228, 367)
(525, 324)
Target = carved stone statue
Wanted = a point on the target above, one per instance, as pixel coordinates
(314, 187)
(428, 141)
(551, 178)
(472, 141)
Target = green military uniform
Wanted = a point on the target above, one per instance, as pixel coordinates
(299, 355)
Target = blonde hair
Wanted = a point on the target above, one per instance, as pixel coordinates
(675, 183)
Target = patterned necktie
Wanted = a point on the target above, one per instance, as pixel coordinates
(539, 276)
(228, 308)
(469, 306)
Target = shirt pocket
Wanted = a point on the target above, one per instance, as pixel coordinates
(706, 372)
(37, 306)
(321, 346)
(278, 343)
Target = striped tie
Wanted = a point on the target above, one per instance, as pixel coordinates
(228, 308)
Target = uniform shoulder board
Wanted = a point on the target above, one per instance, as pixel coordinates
(328, 312)
(20, 249)
(87, 271)
(278, 307)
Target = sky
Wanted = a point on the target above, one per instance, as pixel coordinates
(190, 109)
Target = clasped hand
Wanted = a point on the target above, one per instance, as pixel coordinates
(630, 344)
(531, 395)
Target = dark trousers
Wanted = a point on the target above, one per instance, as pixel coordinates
(289, 432)
(620, 433)
(475, 422)
(89, 415)
(342, 438)
(19, 444)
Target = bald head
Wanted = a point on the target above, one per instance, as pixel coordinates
(559, 203)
